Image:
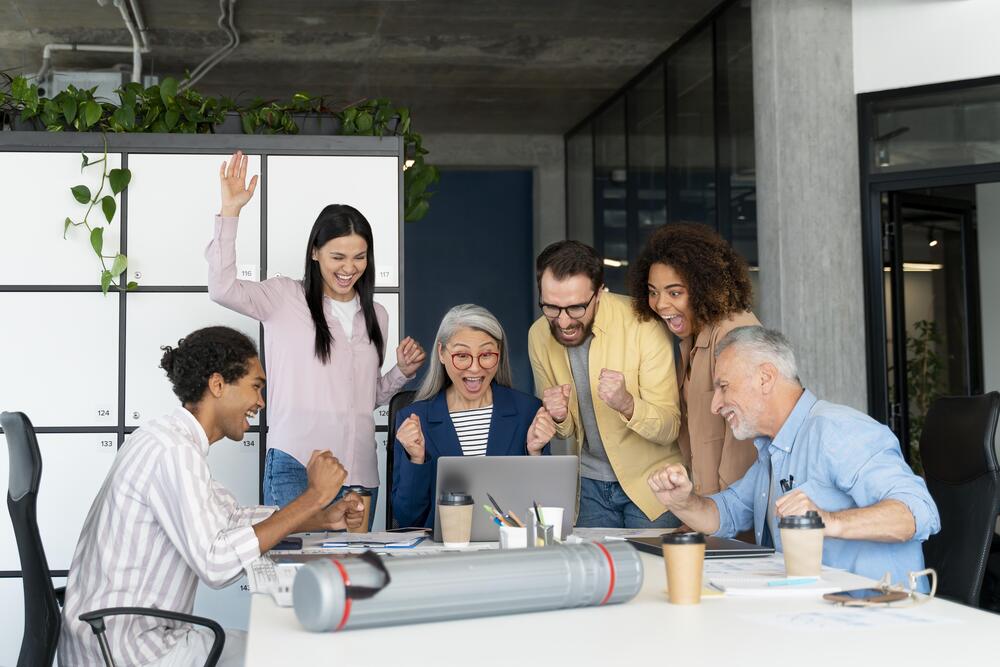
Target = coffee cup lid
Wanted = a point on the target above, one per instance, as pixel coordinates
(360, 490)
(683, 538)
(810, 519)
(455, 498)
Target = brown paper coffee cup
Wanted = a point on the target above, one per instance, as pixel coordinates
(684, 558)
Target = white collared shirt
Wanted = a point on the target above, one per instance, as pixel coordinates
(158, 525)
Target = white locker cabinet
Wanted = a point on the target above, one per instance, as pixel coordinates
(391, 304)
(229, 606)
(155, 319)
(380, 519)
(298, 187)
(172, 203)
(74, 466)
(236, 465)
(59, 357)
(12, 628)
(37, 196)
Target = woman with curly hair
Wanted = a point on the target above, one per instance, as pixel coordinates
(693, 280)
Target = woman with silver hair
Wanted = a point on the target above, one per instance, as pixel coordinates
(465, 407)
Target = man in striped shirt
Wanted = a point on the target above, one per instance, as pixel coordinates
(160, 522)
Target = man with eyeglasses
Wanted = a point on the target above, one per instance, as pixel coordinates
(607, 379)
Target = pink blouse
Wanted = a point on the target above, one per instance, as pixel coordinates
(309, 405)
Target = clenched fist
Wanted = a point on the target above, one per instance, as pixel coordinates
(349, 511)
(411, 436)
(409, 356)
(611, 390)
(325, 474)
(542, 430)
(671, 485)
(556, 401)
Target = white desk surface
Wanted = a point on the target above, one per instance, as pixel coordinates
(647, 627)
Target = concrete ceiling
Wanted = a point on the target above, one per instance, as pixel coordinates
(519, 66)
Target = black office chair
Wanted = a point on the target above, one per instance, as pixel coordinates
(42, 616)
(960, 466)
(396, 403)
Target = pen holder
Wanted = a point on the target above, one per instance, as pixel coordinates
(513, 538)
(540, 534)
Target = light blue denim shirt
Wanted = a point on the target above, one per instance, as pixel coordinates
(841, 459)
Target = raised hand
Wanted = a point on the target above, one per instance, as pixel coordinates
(611, 390)
(411, 436)
(542, 430)
(409, 356)
(325, 474)
(233, 177)
(671, 485)
(556, 401)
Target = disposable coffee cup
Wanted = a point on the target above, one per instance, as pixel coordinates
(366, 498)
(802, 544)
(455, 514)
(684, 557)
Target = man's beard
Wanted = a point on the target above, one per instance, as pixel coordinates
(587, 330)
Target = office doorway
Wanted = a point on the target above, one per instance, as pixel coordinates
(931, 280)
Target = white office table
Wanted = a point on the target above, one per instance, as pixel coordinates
(648, 628)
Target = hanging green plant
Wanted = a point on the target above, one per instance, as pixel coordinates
(112, 266)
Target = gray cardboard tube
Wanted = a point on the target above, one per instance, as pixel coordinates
(451, 586)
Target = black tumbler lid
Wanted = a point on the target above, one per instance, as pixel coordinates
(683, 538)
(360, 490)
(455, 498)
(810, 519)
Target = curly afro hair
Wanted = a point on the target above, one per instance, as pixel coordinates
(717, 278)
(202, 353)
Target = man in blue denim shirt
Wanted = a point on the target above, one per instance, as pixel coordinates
(830, 458)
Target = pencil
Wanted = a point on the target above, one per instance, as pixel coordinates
(518, 521)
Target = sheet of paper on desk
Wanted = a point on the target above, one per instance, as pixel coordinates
(371, 540)
(846, 618)
(263, 576)
(598, 534)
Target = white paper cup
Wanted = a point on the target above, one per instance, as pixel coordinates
(552, 516)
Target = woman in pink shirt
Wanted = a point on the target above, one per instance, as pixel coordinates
(324, 342)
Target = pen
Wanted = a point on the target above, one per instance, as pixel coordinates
(498, 518)
(796, 581)
(517, 522)
(791, 482)
(538, 513)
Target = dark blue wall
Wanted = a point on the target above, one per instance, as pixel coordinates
(474, 246)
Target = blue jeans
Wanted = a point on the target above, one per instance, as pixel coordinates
(606, 505)
(285, 479)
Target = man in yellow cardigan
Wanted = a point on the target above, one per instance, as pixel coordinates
(608, 381)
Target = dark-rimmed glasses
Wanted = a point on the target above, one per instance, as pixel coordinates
(463, 360)
(576, 311)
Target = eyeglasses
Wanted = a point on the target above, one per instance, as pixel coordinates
(576, 311)
(463, 360)
(897, 595)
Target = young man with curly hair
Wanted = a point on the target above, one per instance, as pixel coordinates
(160, 523)
(689, 277)
(607, 380)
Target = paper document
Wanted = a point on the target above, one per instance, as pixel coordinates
(264, 576)
(845, 618)
(598, 534)
(744, 577)
(374, 540)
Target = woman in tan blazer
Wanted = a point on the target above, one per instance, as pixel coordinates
(693, 280)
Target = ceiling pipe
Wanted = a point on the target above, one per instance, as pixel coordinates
(139, 43)
(217, 57)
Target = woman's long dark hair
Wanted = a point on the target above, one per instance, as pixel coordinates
(334, 221)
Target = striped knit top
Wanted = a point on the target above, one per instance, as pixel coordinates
(473, 429)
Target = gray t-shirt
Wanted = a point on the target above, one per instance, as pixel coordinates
(594, 462)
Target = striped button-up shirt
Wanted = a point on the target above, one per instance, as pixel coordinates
(158, 525)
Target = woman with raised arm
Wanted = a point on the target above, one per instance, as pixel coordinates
(693, 280)
(324, 341)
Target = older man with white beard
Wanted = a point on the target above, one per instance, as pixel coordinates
(812, 455)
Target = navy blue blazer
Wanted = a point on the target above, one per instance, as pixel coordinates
(413, 485)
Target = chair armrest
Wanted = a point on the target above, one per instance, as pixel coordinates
(61, 595)
(96, 621)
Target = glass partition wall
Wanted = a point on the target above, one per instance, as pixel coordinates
(674, 145)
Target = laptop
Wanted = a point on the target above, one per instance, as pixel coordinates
(715, 547)
(514, 481)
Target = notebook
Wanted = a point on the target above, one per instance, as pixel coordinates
(715, 547)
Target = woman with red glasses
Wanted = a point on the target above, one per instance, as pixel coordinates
(465, 407)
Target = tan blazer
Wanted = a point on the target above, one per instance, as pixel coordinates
(716, 458)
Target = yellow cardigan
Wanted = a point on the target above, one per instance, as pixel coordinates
(644, 353)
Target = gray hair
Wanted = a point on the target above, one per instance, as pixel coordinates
(465, 316)
(763, 345)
